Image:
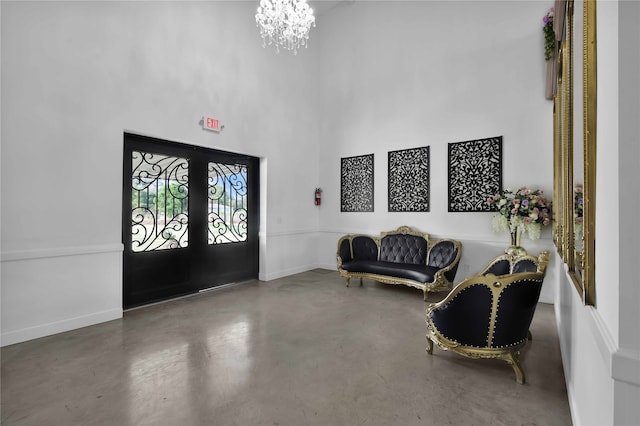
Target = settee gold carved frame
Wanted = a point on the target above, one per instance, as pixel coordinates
(577, 249)
(440, 281)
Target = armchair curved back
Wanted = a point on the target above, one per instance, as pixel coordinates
(516, 306)
(497, 267)
(488, 315)
(525, 265)
(487, 311)
(465, 316)
(513, 264)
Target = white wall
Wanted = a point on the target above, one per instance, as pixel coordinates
(377, 77)
(413, 74)
(75, 76)
(601, 345)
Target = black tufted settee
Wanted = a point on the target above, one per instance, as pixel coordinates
(488, 315)
(402, 256)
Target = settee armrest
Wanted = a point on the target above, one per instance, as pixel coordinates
(445, 254)
(343, 254)
(357, 247)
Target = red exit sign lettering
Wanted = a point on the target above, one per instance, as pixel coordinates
(210, 123)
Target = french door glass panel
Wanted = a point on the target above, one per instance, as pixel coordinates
(227, 203)
(159, 202)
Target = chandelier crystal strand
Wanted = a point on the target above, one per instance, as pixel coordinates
(285, 23)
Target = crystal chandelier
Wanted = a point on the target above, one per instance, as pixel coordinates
(285, 23)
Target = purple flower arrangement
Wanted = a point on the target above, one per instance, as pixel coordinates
(525, 209)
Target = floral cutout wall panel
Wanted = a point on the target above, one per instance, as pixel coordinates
(409, 180)
(356, 184)
(475, 174)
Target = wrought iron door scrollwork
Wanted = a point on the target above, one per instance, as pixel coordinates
(227, 203)
(159, 202)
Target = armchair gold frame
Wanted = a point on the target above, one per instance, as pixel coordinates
(497, 284)
(542, 261)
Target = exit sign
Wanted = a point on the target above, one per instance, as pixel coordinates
(209, 123)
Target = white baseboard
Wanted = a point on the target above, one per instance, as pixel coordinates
(29, 333)
(329, 266)
(286, 272)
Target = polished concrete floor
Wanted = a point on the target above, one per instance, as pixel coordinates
(301, 350)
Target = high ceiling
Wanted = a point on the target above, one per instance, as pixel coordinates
(320, 7)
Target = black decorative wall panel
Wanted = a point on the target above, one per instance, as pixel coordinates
(356, 184)
(409, 180)
(475, 173)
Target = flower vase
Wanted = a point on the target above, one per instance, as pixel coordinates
(515, 249)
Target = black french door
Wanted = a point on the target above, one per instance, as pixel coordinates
(189, 220)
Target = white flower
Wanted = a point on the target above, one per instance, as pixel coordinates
(500, 223)
(533, 230)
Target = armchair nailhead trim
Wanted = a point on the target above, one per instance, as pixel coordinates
(491, 330)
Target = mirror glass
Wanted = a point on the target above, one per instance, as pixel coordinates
(578, 134)
(575, 142)
(559, 159)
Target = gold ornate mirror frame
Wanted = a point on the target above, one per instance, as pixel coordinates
(574, 159)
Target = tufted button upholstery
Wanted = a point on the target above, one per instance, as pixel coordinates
(442, 254)
(344, 250)
(400, 248)
(399, 257)
(364, 248)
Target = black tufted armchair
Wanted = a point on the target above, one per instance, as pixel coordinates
(488, 315)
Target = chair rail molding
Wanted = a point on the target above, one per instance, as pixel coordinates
(43, 253)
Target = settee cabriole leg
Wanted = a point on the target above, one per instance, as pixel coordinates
(425, 295)
(360, 281)
(429, 346)
(529, 336)
(512, 359)
(348, 281)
